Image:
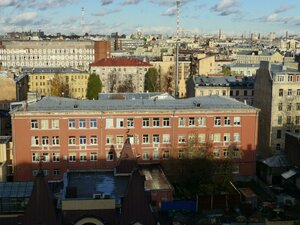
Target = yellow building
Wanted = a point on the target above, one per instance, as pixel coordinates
(73, 81)
(255, 57)
(206, 64)
(166, 68)
(5, 158)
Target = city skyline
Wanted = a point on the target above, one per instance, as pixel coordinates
(234, 17)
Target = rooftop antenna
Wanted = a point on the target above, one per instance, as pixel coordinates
(177, 46)
(82, 23)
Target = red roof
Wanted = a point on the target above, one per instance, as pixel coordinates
(114, 62)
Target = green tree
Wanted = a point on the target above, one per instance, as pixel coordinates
(152, 80)
(226, 71)
(94, 87)
(58, 87)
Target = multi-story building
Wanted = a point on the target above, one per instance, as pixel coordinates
(255, 57)
(115, 72)
(243, 69)
(73, 81)
(241, 90)
(89, 134)
(77, 54)
(166, 67)
(277, 94)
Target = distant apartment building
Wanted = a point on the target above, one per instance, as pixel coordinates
(277, 94)
(243, 69)
(166, 67)
(206, 64)
(241, 90)
(74, 81)
(256, 56)
(115, 72)
(68, 134)
(62, 53)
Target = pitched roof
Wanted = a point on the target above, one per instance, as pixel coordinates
(136, 207)
(122, 62)
(127, 161)
(40, 209)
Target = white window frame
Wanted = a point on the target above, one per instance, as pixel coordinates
(55, 124)
(44, 124)
(72, 140)
(35, 157)
(217, 121)
(145, 156)
(109, 123)
(82, 157)
(110, 156)
(35, 140)
(201, 138)
(166, 138)
(72, 123)
(166, 122)
(237, 121)
(55, 141)
(93, 123)
(82, 140)
(72, 157)
(119, 139)
(45, 140)
(82, 123)
(146, 139)
(130, 122)
(181, 139)
(55, 157)
(181, 122)
(236, 137)
(155, 138)
(120, 122)
(34, 124)
(216, 153)
(227, 121)
(93, 140)
(93, 156)
(109, 140)
(156, 122)
(145, 122)
(202, 121)
(192, 121)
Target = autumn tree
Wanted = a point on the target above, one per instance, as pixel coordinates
(126, 86)
(152, 83)
(94, 87)
(226, 71)
(112, 81)
(59, 87)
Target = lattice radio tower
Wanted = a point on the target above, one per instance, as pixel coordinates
(82, 22)
(177, 46)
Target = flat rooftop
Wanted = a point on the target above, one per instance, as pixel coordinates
(88, 183)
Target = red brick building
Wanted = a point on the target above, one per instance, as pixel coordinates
(69, 134)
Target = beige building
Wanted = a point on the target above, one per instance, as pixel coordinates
(166, 68)
(74, 81)
(5, 158)
(115, 72)
(277, 94)
(206, 64)
(255, 57)
(62, 53)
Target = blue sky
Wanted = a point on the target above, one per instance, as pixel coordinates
(151, 16)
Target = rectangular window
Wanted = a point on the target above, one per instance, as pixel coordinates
(146, 122)
(289, 107)
(93, 156)
(109, 140)
(225, 153)
(145, 156)
(120, 139)
(166, 122)
(93, 123)
(165, 155)
(55, 140)
(226, 120)
(237, 121)
(202, 121)
(34, 140)
(72, 140)
(245, 92)
(120, 122)
(93, 140)
(72, 157)
(130, 122)
(55, 124)
(82, 140)
(45, 140)
(82, 157)
(279, 120)
(288, 119)
(298, 92)
(45, 157)
(297, 106)
(44, 124)
(192, 121)
(82, 123)
(280, 78)
(72, 123)
(236, 137)
(145, 139)
(297, 120)
(181, 154)
(278, 147)
(201, 138)
(109, 123)
(181, 139)
(155, 138)
(218, 121)
(35, 157)
(216, 153)
(278, 135)
(155, 154)
(181, 122)
(155, 122)
(34, 124)
(280, 92)
(289, 93)
(166, 138)
(217, 137)
(279, 106)
(226, 137)
(56, 172)
(55, 157)
(110, 156)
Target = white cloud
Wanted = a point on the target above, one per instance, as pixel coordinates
(170, 11)
(131, 2)
(106, 12)
(24, 19)
(226, 7)
(4, 3)
(106, 2)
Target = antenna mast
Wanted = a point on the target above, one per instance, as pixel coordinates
(177, 47)
(82, 23)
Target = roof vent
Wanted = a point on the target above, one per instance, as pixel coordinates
(75, 106)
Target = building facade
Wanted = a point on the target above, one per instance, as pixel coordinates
(68, 134)
(115, 72)
(255, 57)
(73, 81)
(77, 54)
(277, 94)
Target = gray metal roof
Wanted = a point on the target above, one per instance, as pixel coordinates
(15, 189)
(214, 81)
(133, 96)
(196, 103)
(277, 161)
